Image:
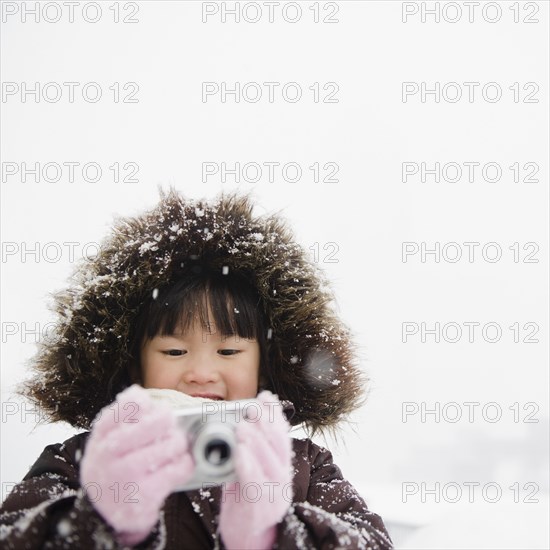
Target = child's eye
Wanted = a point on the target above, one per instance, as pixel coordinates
(174, 352)
(228, 351)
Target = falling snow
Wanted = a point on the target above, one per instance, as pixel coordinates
(64, 528)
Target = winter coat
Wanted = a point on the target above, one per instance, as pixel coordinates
(49, 509)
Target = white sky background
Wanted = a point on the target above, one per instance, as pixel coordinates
(367, 213)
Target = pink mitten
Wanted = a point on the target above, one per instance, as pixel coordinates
(133, 459)
(252, 506)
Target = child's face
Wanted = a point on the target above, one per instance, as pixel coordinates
(202, 364)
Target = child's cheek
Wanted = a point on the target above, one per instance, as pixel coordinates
(245, 386)
(157, 374)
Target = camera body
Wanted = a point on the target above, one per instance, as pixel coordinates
(210, 429)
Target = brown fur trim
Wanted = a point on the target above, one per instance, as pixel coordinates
(311, 356)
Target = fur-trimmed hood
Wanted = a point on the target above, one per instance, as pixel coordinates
(85, 366)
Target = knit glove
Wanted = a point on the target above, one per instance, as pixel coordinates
(134, 458)
(252, 507)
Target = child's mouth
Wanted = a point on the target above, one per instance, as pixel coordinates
(207, 396)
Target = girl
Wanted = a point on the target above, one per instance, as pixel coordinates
(210, 301)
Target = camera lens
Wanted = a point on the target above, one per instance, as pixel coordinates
(213, 448)
(217, 452)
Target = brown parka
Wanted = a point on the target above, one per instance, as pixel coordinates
(50, 509)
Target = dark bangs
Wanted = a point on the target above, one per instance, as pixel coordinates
(235, 308)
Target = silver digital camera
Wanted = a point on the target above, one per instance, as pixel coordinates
(210, 429)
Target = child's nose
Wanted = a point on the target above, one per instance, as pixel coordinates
(200, 371)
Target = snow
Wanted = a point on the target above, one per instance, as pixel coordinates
(23, 523)
(297, 528)
(64, 528)
(102, 539)
(484, 527)
(145, 247)
(321, 368)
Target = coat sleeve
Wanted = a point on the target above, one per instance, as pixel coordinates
(49, 508)
(332, 515)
